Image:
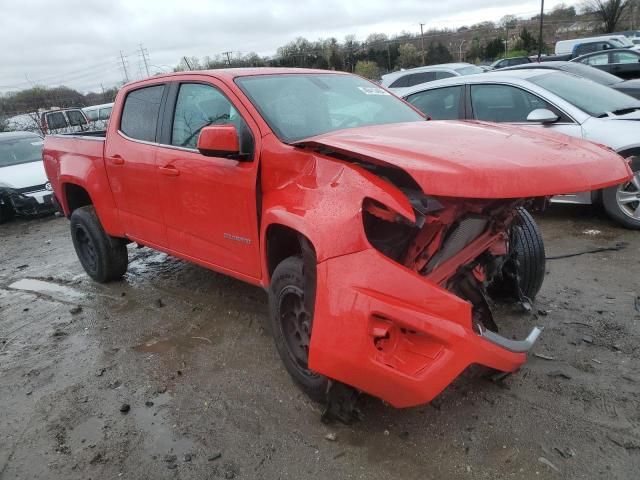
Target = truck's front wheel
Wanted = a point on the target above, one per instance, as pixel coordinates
(291, 314)
(104, 258)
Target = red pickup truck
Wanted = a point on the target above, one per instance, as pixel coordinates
(379, 236)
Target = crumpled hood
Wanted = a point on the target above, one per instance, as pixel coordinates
(481, 160)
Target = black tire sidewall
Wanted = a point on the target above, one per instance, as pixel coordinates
(291, 272)
(528, 247)
(112, 258)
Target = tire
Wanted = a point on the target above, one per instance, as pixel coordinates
(626, 213)
(104, 258)
(291, 305)
(527, 246)
(6, 212)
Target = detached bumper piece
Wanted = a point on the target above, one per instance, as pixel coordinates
(389, 332)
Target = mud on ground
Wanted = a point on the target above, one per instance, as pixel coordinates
(185, 349)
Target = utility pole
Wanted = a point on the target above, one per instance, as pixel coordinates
(186, 60)
(124, 66)
(460, 48)
(422, 42)
(506, 40)
(104, 96)
(144, 53)
(228, 57)
(388, 57)
(540, 34)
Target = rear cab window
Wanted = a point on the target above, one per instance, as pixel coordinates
(56, 120)
(76, 118)
(139, 118)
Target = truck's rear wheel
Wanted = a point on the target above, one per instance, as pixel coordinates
(291, 316)
(104, 258)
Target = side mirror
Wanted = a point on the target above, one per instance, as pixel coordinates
(542, 115)
(219, 141)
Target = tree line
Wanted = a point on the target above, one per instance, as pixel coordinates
(372, 57)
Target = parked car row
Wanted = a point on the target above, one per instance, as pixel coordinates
(551, 100)
(62, 120)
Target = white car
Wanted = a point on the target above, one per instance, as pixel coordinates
(24, 188)
(416, 76)
(549, 100)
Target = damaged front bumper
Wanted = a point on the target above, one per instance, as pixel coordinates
(394, 334)
(31, 203)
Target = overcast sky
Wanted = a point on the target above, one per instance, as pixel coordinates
(78, 42)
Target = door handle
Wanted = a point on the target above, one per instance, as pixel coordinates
(169, 171)
(117, 160)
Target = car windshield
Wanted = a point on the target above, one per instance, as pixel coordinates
(591, 73)
(14, 151)
(592, 98)
(299, 106)
(470, 70)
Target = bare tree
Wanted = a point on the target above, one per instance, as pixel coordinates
(609, 12)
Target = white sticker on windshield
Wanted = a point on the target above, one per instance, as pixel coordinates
(373, 91)
(37, 143)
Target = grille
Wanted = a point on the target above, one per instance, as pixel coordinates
(34, 188)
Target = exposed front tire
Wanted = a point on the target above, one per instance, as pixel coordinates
(526, 261)
(104, 258)
(622, 202)
(291, 305)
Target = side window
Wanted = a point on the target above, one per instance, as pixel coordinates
(105, 113)
(440, 103)
(140, 113)
(625, 57)
(56, 120)
(418, 78)
(600, 59)
(503, 103)
(400, 82)
(441, 75)
(201, 105)
(76, 118)
(92, 115)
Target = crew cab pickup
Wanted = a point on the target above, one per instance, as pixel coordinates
(378, 235)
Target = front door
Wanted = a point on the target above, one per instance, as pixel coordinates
(509, 104)
(210, 203)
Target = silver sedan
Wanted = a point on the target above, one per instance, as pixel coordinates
(552, 100)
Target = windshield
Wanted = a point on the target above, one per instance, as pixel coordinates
(591, 73)
(470, 70)
(299, 106)
(588, 96)
(15, 151)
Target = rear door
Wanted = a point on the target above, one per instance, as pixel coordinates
(130, 158)
(210, 203)
(446, 103)
(625, 64)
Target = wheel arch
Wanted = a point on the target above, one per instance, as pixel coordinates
(75, 196)
(282, 241)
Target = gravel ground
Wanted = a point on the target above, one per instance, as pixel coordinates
(170, 374)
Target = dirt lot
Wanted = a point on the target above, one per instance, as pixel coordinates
(185, 348)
